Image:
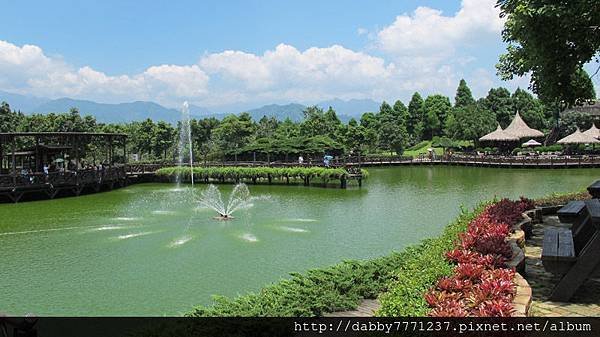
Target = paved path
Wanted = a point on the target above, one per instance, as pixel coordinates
(366, 308)
(585, 302)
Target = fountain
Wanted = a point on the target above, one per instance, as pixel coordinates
(238, 199)
(185, 145)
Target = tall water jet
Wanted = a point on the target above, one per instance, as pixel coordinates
(238, 199)
(185, 146)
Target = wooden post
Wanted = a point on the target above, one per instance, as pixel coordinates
(37, 154)
(343, 182)
(111, 151)
(125, 159)
(76, 153)
(14, 162)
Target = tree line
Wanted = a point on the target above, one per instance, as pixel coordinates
(390, 130)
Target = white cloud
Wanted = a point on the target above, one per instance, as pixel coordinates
(28, 70)
(424, 51)
(287, 73)
(428, 33)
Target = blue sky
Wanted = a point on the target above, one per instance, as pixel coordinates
(224, 54)
(128, 36)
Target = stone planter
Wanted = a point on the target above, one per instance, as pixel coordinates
(522, 299)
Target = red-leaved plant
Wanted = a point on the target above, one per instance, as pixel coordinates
(481, 284)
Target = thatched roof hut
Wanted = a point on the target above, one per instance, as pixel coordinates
(593, 131)
(499, 135)
(520, 129)
(578, 137)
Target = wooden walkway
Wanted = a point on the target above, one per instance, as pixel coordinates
(366, 308)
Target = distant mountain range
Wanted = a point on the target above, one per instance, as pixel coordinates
(140, 110)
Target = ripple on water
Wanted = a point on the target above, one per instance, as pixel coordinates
(293, 229)
(180, 241)
(300, 220)
(249, 237)
(108, 228)
(125, 218)
(160, 212)
(133, 235)
(41, 230)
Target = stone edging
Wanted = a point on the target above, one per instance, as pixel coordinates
(522, 300)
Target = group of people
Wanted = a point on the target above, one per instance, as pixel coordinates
(326, 160)
(71, 165)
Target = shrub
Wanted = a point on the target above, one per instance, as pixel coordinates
(555, 199)
(480, 284)
(247, 173)
(424, 266)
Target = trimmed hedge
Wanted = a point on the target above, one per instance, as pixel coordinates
(237, 172)
(340, 287)
(562, 198)
(425, 264)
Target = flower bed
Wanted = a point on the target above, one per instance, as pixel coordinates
(481, 283)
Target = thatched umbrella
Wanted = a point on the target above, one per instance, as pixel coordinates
(520, 129)
(531, 142)
(499, 135)
(578, 137)
(593, 131)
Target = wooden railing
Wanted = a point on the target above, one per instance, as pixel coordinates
(371, 160)
(52, 179)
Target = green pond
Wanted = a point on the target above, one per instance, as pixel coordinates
(149, 249)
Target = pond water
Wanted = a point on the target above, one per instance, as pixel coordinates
(150, 249)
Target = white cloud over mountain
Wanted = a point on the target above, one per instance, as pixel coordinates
(418, 51)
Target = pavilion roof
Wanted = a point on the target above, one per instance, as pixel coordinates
(499, 135)
(593, 131)
(520, 129)
(578, 137)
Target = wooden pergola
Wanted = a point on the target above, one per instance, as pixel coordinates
(42, 148)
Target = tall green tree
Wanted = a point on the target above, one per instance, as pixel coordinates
(392, 135)
(530, 108)
(368, 121)
(401, 112)
(164, 139)
(572, 120)
(355, 137)
(551, 40)
(437, 108)
(9, 119)
(143, 137)
(472, 122)
(233, 133)
(414, 124)
(499, 101)
(266, 127)
(314, 122)
(463, 96)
